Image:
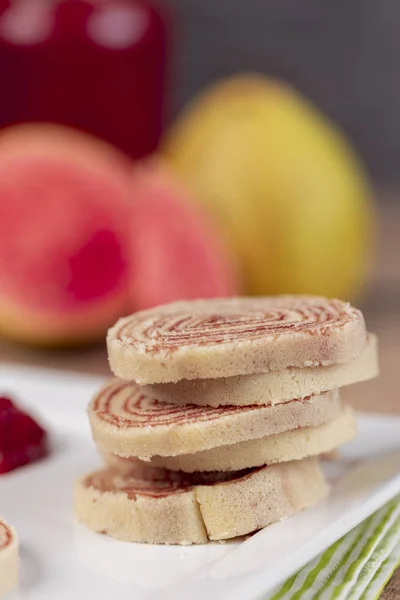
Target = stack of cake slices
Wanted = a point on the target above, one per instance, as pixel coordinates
(8, 558)
(220, 411)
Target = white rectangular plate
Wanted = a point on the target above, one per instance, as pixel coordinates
(61, 560)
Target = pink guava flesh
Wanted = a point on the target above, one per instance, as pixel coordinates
(177, 253)
(102, 259)
(62, 235)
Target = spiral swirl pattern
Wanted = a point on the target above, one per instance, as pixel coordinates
(128, 422)
(6, 535)
(236, 336)
(213, 322)
(125, 404)
(144, 480)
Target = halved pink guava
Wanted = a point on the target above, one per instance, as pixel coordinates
(63, 235)
(177, 251)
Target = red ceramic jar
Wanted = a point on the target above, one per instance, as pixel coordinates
(97, 65)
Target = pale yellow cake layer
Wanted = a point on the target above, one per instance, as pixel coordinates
(127, 421)
(291, 445)
(161, 509)
(8, 559)
(205, 339)
(272, 387)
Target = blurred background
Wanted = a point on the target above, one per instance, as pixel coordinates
(154, 151)
(342, 55)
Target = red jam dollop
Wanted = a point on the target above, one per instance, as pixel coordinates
(22, 440)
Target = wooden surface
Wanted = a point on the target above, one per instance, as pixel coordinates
(382, 310)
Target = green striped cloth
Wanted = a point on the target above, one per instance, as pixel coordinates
(357, 567)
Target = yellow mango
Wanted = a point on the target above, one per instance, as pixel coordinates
(283, 183)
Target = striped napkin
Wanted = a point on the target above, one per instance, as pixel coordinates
(357, 567)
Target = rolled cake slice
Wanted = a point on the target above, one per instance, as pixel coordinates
(161, 507)
(127, 421)
(282, 447)
(272, 387)
(236, 336)
(8, 558)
